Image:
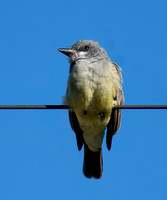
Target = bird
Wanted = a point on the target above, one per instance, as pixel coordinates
(94, 87)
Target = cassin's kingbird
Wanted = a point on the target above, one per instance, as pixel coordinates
(94, 88)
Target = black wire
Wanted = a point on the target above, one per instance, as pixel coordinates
(141, 107)
(66, 107)
(33, 107)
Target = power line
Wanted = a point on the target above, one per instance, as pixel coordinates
(141, 107)
(40, 107)
(34, 107)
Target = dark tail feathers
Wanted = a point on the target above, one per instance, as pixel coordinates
(93, 163)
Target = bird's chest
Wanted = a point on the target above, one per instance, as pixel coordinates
(90, 95)
(89, 89)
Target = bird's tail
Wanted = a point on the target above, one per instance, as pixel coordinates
(93, 163)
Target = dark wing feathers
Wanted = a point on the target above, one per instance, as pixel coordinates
(115, 120)
(113, 126)
(76, 128)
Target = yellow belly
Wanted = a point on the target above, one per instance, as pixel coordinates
(93, 109)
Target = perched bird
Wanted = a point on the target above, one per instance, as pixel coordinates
(94, 88)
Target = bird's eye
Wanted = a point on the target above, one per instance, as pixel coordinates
(86, 48)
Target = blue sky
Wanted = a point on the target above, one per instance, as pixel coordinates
(38, 153)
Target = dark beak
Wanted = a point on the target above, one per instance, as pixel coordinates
(67, 51)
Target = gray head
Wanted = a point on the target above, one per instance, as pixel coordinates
(85, 49)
